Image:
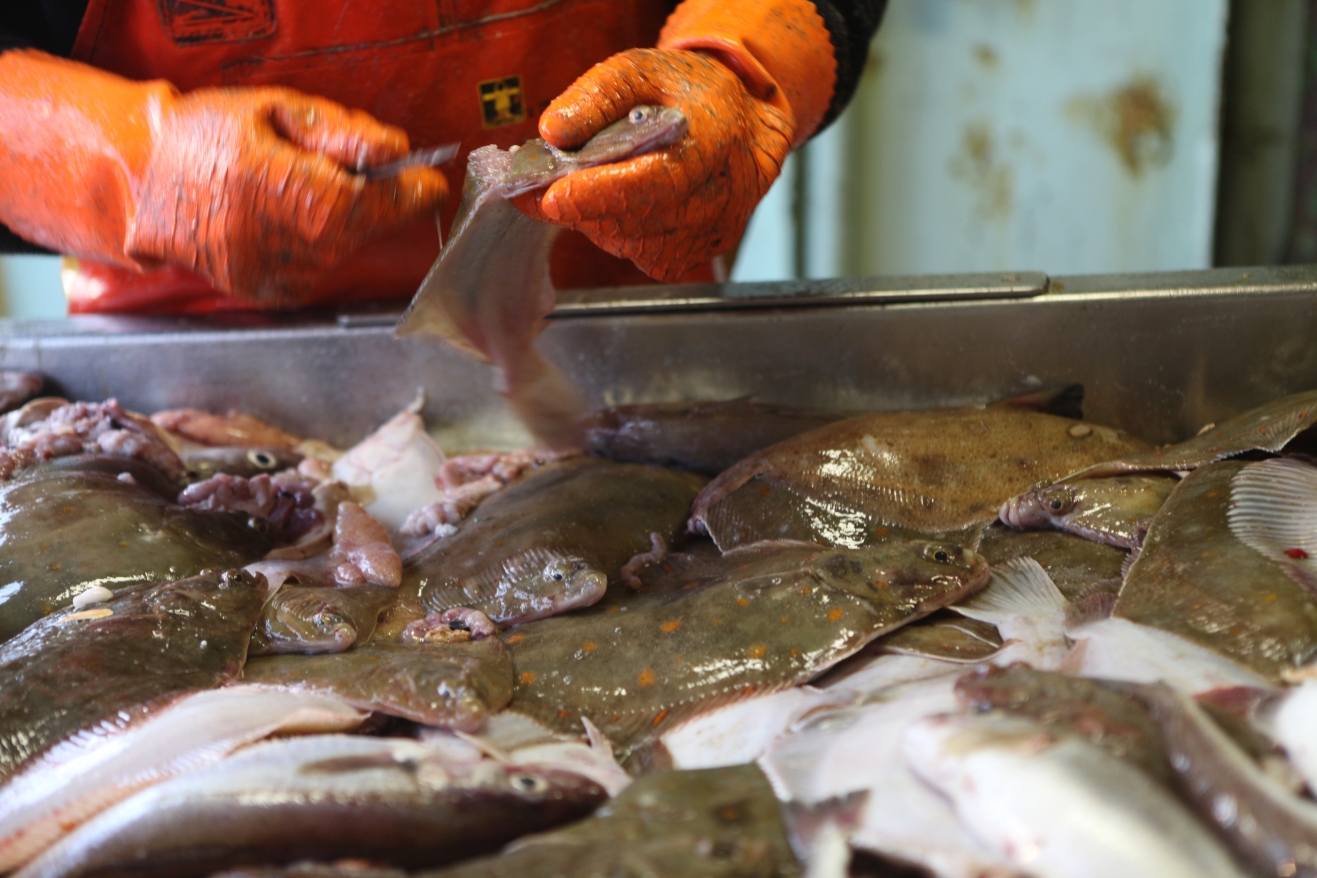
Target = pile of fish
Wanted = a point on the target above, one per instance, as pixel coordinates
(722, 638)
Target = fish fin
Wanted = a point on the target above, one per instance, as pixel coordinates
(1273, 510)
(1101, 586)
(1063, 400)
(547, 402)
(1019, 587)
(1129, 560)
(1089, 610)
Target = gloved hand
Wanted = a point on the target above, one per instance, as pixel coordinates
(754, 80)
(249, 187)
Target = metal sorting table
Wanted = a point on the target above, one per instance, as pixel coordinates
(1159, 355)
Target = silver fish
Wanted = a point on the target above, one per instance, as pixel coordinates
(489, 291)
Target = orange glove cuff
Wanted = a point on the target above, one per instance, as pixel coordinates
(781, 50)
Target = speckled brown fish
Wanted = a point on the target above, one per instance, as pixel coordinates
(1075, 564)
(78, 522)
(706, 437)
(945, 636)
(451, 685)
(755, 620)
(1114, 510)
(1269, 427)
(110, 666)
(859, 480)
(314, 620)
(1196, 579)
(722, 822)
(551, 541)
(391, 801)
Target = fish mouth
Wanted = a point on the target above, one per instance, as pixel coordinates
(1024, 512)
(584, 588)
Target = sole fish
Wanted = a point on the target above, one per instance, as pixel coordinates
(315, 620)
(1060, 807)
(391, 801)
(1114, 510)
(1074, 564)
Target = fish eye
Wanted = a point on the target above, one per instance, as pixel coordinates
(262, 459)
(528, 783)
(938, 553)
(638, 115)
(1059, 500)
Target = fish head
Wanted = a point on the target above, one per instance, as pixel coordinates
(203, 463)
(571, 583)
(531, 786)
(1046, 506)
(310, 623)
(917, 576)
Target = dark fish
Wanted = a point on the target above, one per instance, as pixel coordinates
(1114, 510)
(112, 665)
(755, 620)
(1269, 827)
(312, 620)
(553, 540)
(1269, 427)
(707, 437)
(869, 478)
(451, 685)
(489, 291)
(391, 801)
(1111, 719)
(717, 822)
(203, 462)
(945, 636)
(1196, 579)
(1075, 564)
(77, 523)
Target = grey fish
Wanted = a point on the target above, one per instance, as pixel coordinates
(1114, 510)
(758, 619)
(450, 685)
(706, 437)
(1270, 427)
(391, 801)
(203, 462)
(489, 291)
(111, 666)
(553, 540)
(311, 620)
(1111, 719)
(75, 523)
(869, 478)
(1270, 828)
(1075, 564)
(1196, 579)
(716, 822)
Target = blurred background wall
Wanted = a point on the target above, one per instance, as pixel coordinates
(1066, 136)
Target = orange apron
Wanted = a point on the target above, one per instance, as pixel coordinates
(474, 71)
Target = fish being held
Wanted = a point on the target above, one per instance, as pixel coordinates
(388, 800)
(489, 291)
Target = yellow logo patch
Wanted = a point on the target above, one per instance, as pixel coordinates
(501, 102)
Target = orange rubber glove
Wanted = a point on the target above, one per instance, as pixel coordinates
(754, 80)
(249, 187)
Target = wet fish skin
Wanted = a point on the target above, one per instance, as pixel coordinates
(714, 822)
(76, 524)
(1114, 510)
(1105, 716)
(448, 685)
(756, 620)
(1060, 807)
(705, 437)
(203, 462)
(1075, 564)
(391, 801)
(1270, 828)
(943, 636)
(1196, 579)
(299, 619)
(869, 478)
(551, 541)
(115, 664)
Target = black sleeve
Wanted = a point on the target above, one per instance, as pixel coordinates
(852, 24)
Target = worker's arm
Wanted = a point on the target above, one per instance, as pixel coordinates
(251, 188)
(755, 78)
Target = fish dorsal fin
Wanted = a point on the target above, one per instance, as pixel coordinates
(1273, 510)
(1020, 587)
(1063, 400)
(1089, 610)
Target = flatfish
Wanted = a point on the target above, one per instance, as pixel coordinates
(755, 620)
(391, 801)
(1270, 427)
(489, 291)
(706, 437)
(450, 685)
(944, 636)
(876, 476)
(299, 619)
(1114, 510)
(715, 822)
(1059, 806)
(82, 522)
(552, 541)
(1075, 564)
(1196, 579)
(99, 670)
